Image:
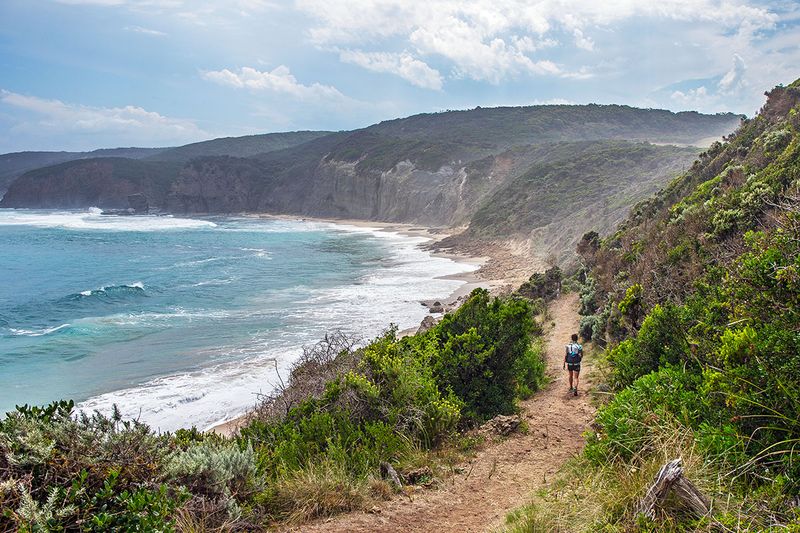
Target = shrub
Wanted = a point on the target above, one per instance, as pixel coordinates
(661, 341)
(587, 326)
(529, 370)
(634, 417)
(92, 472)
(477, 348)
(545, 285)
(215, 467)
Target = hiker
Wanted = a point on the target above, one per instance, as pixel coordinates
(572, 362)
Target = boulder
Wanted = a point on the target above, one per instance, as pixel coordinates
(436, 307)
(503, 425)
(427, 323)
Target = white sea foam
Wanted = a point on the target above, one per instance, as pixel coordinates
(259, 252)
(38, 332)
(152, 319)
(202, 398)
(219, 392)
(92, 219)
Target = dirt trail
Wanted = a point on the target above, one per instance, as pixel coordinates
(502, 476)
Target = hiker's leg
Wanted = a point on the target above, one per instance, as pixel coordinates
(571, 372)
(577, 378)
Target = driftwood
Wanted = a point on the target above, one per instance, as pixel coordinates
(390, 474)
(671, 478)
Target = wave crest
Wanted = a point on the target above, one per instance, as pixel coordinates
(112, 291)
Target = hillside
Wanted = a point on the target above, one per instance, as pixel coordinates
(504, 127)
(246, 146)
(697, 298)
(15, 164)
(566, 189)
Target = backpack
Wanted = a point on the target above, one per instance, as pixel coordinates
(574, 353)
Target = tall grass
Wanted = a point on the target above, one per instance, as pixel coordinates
(589, 498)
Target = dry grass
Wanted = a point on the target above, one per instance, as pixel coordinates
(590, 498)
(321, 490)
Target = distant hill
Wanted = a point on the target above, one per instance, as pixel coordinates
(104, 181)
(246, 146)
(15, 164)
(414, 169)
(504, 127)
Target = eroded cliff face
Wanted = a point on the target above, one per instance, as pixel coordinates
(401, 194)
(215, 186)
(339, 189)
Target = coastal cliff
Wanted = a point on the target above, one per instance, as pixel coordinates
(505, 173)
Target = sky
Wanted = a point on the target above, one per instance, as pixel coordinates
(86, 74)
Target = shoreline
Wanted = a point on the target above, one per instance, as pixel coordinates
(471, 280)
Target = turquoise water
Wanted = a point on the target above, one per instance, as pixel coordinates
(184, 321)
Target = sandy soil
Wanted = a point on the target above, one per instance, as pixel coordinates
(502, 476)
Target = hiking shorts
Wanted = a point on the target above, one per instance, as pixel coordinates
(574, 367)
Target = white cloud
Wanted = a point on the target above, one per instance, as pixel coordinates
(146, 31)
(279, 80)
(713, 96)
(129, 122)
(582, 41)
(492, 40)
(691, 97)
(733, 80)
(403, 64)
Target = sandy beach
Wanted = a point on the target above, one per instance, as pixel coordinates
(495, 271)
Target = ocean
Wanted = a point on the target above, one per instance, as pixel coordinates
(185, 321)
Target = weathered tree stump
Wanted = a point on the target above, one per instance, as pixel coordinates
(390, 474)
(671, 478)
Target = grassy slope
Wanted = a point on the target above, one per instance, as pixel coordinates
(697, 296)
(566, 189)
(246, 146)
(574, 176)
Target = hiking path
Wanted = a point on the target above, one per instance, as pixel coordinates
(503, 475)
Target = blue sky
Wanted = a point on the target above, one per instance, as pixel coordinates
(85, 74)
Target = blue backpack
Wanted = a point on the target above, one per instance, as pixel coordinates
(574, 353)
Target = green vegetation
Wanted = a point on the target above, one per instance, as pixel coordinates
(245, 146)
(570, 188)
(698, 298)
(15, 164)
(505, 127)
(374, 152)
(313, 449)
